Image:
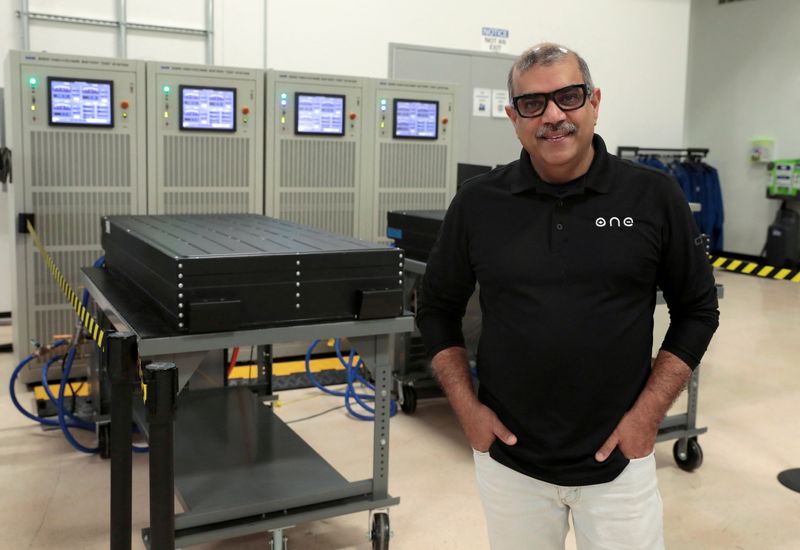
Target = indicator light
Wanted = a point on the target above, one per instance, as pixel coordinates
(283, 102)
(124, 115)
(245, 120)
(383, 102)
(33, 107)
(284, 96)
(383, 124)
(33, 81)
(166, 89)
(283, 120)
(166, 114)
(383, 107)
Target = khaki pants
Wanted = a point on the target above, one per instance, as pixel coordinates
(523, 513)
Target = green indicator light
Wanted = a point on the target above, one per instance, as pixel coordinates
(383, 102)
(33, 81)
(166, 89)
(284, 96)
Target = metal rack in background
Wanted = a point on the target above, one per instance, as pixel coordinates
(631, 152)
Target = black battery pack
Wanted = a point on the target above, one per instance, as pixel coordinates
(211, 273)
(414, 231)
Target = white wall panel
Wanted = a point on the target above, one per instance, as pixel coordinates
(743, 82)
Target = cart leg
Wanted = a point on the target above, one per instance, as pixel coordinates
(122, 362)
(691, 410)
(162, 390)
(279, 541)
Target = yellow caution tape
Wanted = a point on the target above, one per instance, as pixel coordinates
(97, 334)
(755, 269)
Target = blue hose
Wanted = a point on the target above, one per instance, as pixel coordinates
(63, 415)
(13, 393)
(78, 422)
(352, 375)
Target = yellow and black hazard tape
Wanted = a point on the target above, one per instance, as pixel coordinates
(757, 270)
(97, 333)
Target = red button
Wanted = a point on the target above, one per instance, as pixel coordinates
(445, 120)
(124, 104)
(245, 110)
(352, 116)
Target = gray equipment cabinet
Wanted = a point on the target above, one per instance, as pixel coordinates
(238, 469)
(411, 376)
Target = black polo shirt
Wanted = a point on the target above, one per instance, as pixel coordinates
(567, 291)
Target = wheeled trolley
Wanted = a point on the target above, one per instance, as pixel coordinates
(235, 466)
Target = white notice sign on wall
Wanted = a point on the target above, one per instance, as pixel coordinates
(481, 102)
(499, 102)
(494, 39)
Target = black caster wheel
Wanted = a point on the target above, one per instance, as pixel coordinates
(104, 440)
(693, 458)
(380, 531)
(409, 404)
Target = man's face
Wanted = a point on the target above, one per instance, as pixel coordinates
(559, 142)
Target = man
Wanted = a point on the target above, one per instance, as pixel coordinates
(567, 245)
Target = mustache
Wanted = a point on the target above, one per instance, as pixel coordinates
(555, 129)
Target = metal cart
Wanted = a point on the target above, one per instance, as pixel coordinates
(414, 377)
(236, 467)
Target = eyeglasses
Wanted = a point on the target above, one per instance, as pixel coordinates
(568, 98)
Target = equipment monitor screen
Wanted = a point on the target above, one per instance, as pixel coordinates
(81, 102)
(319, 114)
(205, 108)
(416, 119)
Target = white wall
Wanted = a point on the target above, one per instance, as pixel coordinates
(637, 49)
(743, 83)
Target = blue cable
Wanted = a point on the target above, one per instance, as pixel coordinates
(352, 375)
(13, 393)
(78, 422)
(60, 403)
(348, 365)
(74, 422)
(362, 380)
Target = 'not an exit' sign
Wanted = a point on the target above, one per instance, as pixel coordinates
(494, 39)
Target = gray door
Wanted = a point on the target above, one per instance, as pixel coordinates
(479, 140)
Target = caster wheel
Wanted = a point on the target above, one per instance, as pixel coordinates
(104, 440)
(409, 404)
(380, 531)
(693, 458)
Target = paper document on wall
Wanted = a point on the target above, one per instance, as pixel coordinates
(481, 102)
(499, 102)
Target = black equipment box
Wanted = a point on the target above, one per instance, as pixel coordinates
(783, 239)
(209, 273)
(414, 231)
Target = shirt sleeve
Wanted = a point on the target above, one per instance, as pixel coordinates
(448, 282)
(687, 280)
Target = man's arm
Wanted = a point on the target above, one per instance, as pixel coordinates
(635, 435)
(479, 422)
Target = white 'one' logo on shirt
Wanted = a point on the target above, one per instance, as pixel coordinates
(614, 221)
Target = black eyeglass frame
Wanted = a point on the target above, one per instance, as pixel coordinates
(551, 96)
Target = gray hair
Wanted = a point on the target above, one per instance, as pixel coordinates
(546, 54)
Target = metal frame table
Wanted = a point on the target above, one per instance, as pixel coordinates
(260, 476)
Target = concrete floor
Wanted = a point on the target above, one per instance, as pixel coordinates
(54, 497)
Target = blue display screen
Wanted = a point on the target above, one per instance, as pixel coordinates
(77, 102)
(208, 108)
(319, 114)
(416, 119)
